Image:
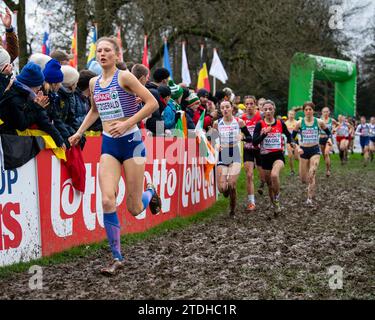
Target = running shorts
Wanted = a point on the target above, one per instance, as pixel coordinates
(267, 160)
(340, 138)
(124, 148)
(252, 155)
(229, 155)
(323, 141)
(364, 141)
(309, 152)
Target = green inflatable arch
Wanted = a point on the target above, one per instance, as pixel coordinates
(306, 68)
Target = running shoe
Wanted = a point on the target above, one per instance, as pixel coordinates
(276, 207)
(260, 189)
(113, 268)
(328, 173)
(292, 173)
(155, 203)
(309, 202)
(232, 214)
(250, 207)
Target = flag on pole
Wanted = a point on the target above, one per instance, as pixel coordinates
(92, 52)
(74, 49)
(203, 80)
(166, 63)
(206, 150)
(185, 73)
(217, 69)
(145, 53)
(45, 46)
(181, 125)
(119, 42)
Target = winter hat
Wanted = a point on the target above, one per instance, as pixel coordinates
(52, 72)
(161, 74)
(71, 76)
(96, 68)
(164, 91)
(192, 99)
(203, 93)
(241, 106)
(40, 59)
(176, 90)
(4, 58)
(31, 75)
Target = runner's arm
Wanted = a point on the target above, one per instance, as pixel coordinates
(287, 133)
(295, 130)
(258, 137)
(245, 131)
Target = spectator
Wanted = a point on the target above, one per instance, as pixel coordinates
(6, 70)
(141, 72)
(10, 36)
(83, 104)
(203, 96)
(192, 104)
(23, 105)
(40, 59)
(121, 66)
(62, 57)
(169, 114)
(160, 77)
(95, 68)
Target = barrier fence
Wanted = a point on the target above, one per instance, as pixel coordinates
(41, 213)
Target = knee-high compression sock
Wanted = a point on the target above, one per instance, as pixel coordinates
(112, 228)
(146, 197)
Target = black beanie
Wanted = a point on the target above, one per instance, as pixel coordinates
(161, 74)
(164, 91)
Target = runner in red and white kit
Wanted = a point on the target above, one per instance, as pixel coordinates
(343, 132)
(251, 154)
(268, 134)
(229, 164)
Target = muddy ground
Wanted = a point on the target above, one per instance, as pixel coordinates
(254, 256)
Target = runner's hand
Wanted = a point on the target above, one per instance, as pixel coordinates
(266, 130)
(329, 141)
(300, 151)
(118, 128)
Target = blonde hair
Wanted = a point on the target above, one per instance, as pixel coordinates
(112, 40)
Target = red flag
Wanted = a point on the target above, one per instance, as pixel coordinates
(145, 54)
(119, 41)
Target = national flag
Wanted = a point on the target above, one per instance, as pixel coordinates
(203, 80)
(181, 125)
(74, 48)
(119, 42)
(185, 73)
(45, 46)
(145, 53)
(206, 150)
(92, 52)
(166, 63)
(217, 69)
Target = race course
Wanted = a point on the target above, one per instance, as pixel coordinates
(254, 256)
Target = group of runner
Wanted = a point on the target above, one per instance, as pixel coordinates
(267, 139)
(113, 99)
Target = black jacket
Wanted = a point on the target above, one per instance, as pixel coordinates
(20, 113)
(4, 82)
(156, 116)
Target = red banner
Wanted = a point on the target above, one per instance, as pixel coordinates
(70, 218)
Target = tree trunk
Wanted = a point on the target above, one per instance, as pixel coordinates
(81, 18)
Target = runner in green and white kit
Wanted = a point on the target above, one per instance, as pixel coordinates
(309, 150)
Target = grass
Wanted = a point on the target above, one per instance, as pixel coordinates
(220, 207)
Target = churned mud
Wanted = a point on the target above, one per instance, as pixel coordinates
(254, 256)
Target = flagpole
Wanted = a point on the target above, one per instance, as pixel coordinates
(214, 86)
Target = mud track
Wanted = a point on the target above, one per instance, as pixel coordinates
(254, 256)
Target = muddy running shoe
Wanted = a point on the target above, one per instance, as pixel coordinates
(232, 214)
(250, 207)
(328, 173)
(309, 202)
(155, 203)
(292, 173)
(113, 268)
(276, 207)
(260, 189)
